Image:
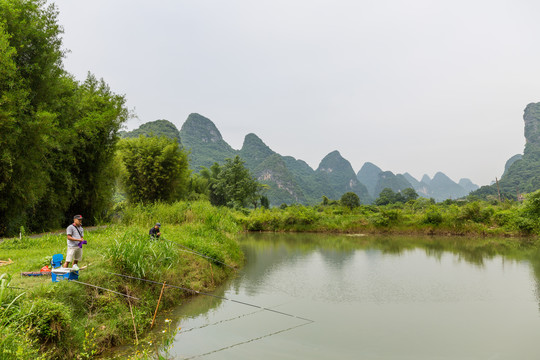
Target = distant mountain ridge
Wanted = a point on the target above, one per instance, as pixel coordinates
(201, 136)
(156, 128)
(521, 172)
(292, 180)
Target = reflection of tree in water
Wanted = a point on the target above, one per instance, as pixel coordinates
(535, 263)
(267, 251)
(336, 259)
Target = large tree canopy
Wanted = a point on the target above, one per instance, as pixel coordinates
(232, 184)
(56, 135)
(155, 169)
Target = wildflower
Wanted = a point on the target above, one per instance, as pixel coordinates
(164, 331)
(168, 320)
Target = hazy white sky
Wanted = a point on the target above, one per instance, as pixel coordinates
(414, 86)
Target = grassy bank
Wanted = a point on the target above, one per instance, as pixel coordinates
(476, 218)
(67, 320)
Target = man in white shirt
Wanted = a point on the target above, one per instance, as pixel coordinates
(75, 234)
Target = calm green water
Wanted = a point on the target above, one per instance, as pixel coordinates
(369, 298)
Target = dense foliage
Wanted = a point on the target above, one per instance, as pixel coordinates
(154, 169)
(350, 200)
(57, 135)
(232, 184)
(388, 196)
(420, 216)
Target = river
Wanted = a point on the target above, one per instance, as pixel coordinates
(313, 296)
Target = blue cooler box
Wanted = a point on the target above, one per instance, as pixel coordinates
(64, 274)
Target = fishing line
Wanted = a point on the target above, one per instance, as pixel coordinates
(248, 341)
(214, 296)
(186, 249)
(99, 287)
(219, 322)
(223, 321)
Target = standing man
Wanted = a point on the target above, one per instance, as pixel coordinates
(75, 234)
(154, 232)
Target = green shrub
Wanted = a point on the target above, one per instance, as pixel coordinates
(503, 217)
(48, 319)
(524, 225)
(432, 216)
(393, 215)
(379, 220)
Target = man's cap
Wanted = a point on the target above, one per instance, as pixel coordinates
(158, 224)
(77, 217)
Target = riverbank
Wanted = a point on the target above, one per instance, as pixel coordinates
(71, 320)
(417, 217)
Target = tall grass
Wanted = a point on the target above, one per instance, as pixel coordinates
(16, 342)
(137, 255)
(197, 225)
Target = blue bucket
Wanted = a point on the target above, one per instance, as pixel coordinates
(71, 275)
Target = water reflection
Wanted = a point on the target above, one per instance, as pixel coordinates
(269, 249)
(372, 297)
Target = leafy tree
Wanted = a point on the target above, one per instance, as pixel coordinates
(212, 176)
(409, 194)
(155, 168)
(386, 196)
(350, 200)
(231, 184)
(531, 208)
(264, 202)
(56, 135)
(197, 187)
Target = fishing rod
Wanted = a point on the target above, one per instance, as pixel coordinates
(212, 295)
(186, 249)
(102, 288)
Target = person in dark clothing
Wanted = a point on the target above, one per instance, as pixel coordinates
(154, 232)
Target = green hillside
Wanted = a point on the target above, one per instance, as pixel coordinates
(154, 128)
(306, 178)
(340, 176)
(205, 143)
(387, 179)
(254, 151)
(283, 188)
(442, 187)
(369, 176)
(524, 175)
(521, 175)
